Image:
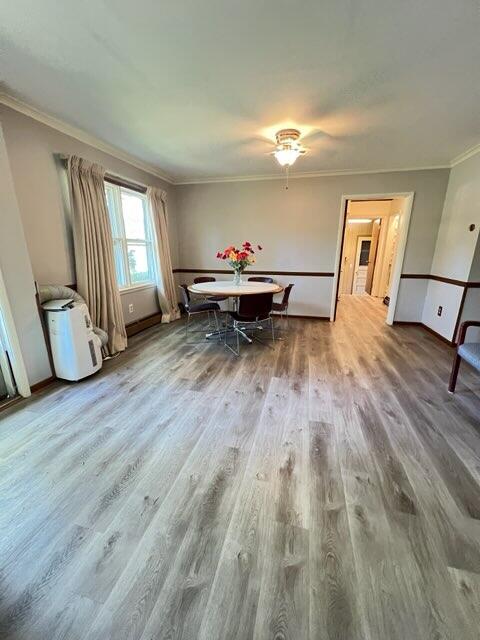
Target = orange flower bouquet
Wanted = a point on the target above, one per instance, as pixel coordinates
(239, 259)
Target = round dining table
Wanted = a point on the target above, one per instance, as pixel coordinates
(226, 288)
(232, 290)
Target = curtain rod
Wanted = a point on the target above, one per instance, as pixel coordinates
(121, 182)
(112, 178)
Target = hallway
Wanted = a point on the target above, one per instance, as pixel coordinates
(361, 307)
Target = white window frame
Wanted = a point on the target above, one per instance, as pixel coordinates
(148, 242)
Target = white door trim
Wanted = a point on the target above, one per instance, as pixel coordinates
(12, 345)
(402, 243)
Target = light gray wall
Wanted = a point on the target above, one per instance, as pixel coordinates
(474, 275)
(299, 228)
(17, 274)
(449, 297)
(42, 196)
(144, 301)
(455, 243)
(456, 247)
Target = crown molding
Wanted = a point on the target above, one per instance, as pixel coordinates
(81, 136)
(97, 143)
(305, 174)
(469, 153)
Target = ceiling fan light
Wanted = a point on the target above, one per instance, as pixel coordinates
(286, 157)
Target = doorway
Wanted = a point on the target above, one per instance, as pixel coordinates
(370, 251)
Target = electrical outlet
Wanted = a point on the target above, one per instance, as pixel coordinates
(439, 311)
(130, 308)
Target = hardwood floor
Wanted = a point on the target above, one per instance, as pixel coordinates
(326, 488)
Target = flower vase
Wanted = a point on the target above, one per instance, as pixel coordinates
(237, 277)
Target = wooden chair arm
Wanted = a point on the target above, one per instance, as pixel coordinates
(464, 327)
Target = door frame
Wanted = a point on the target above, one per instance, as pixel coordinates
(357, 258)
(12, 345)
(406, 214)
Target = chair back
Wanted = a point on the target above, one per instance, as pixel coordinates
(286, 294)
(201, 279)
(185, 295)
(260, 279)
(257, 306)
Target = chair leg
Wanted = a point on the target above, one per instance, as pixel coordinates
(233, 328)
(453, 376)
(186, 326)
(269, 342)
(277, 316)
(217, 325)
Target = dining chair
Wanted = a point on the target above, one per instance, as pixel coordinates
(282, 307)
(195, 309)
(253, 310)
(468, 351)
(260, 279)
(201, 279)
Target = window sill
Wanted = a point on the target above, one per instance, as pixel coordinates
(138, 287)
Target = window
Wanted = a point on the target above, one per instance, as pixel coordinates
(132, 236)
(364, 253)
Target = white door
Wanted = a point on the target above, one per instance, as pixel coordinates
(361, 264)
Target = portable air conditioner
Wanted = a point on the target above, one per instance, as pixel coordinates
(76, 349)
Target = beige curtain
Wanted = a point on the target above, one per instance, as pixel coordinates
(95, 269)
(166, 291)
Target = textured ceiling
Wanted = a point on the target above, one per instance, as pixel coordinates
(195, 88)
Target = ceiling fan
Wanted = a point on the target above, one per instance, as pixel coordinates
(288, 149)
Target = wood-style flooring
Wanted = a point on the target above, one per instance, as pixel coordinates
(328, 488)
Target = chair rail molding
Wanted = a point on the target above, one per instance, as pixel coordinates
(265, 272)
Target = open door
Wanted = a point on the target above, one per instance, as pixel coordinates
(372, 257)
